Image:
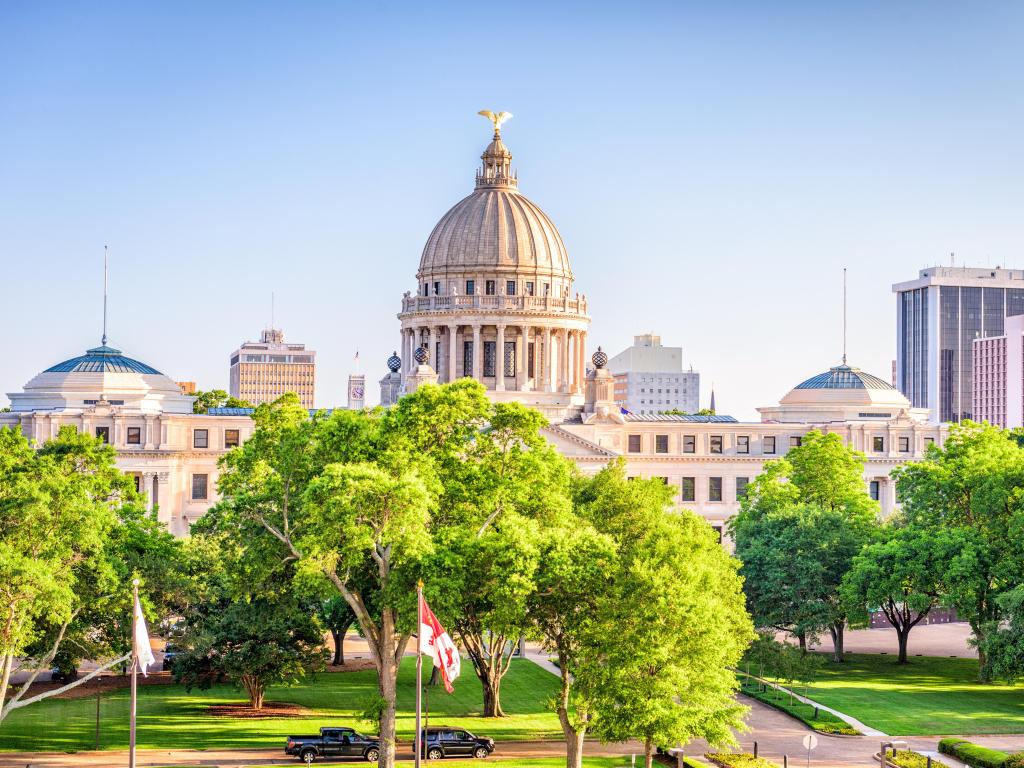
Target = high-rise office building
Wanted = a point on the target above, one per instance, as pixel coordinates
(262, 372)
(997, 389)
(649, 378)
(938, 317)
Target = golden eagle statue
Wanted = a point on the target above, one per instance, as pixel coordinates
(496, 118)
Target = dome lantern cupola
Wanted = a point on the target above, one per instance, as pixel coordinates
(496, 170)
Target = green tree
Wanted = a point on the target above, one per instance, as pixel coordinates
(253, 642)
(72, 536)
(972, 485)
(216, 398)
(338, 617)
(1004, 644)
(800, 525)
(647, 671)
(346, 499)
(903, 576)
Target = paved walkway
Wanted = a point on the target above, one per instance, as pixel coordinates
(867, 730)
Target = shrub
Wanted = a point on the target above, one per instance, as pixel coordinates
(738, 760)
(1016, 760)
(906, 758)
(974, 755)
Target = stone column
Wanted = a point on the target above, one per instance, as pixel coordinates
(549, 359)
(581, 362)
(563, 360)
(163, 498)
(499, 362)
(147, 439)
(478, 354)
(521, 351)
(453, 352)
(146, 486)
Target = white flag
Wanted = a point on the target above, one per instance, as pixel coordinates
(140, 639)
(436, 643)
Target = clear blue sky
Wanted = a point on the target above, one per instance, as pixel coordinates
(711, 167)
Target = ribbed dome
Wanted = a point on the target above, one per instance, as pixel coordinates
(844, 377)
(102, 359)
(496, 228)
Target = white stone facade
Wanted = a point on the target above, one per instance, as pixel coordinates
(649, 378)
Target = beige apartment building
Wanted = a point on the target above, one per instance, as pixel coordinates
(263, 371)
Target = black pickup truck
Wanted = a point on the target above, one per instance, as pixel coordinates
(334, 742)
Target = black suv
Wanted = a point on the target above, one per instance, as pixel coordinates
(334, 742)
(442, 741)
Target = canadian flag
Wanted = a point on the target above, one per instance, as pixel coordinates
(437, 644)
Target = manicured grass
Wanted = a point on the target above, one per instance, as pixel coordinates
(169, 717)
(824, 722)
(929, 696)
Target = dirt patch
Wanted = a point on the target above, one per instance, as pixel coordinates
(101, 684)
(270, 709)
(352, 665)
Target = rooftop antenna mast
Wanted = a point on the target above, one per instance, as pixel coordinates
(844, 315)
(103, 340)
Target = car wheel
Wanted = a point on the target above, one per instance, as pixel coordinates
(480, 753)
(372, 755)
(434, 754)
(308, 756)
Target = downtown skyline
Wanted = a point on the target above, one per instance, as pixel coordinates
(711, 173)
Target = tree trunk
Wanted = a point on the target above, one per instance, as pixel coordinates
(491, 683)
(435, 676)
(837, 630)
(902, 636)
(979, 638)
(802, 639)
(387, 686)
(648, 752)
(573, 736)
(5, 677)
(339, 646)
(256, 689)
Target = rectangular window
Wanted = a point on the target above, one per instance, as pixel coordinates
(201, 439)
(716, 443)
(134, 435)
(426, 289)
(489, 362)
(199, 483)
(103, 433)
(904, 445)
(489, 287)
(230, 438)
(467, 358)
(878, 444)
(510, 358)
(664, 480)
(634, 443)
(661, 443)
(529, 288)
(547, 289)
(470, 287)
(510, 287)
(873, 488)
(741, 487)
(718, 530)
(714, 489)
(529, 359)
(437, 289)
(689, 443)
(688, 489)
(929, 441)
(796, 442)
(743, 444)
(768, 444)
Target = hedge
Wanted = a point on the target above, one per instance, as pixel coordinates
(738, 760)
(978, 756)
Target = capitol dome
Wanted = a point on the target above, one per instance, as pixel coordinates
(102, 375)
(842, 393)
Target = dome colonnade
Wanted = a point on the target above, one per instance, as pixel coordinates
(494, 298)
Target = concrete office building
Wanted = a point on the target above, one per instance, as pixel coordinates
(649, 378)
(997, 390)
(938, 317)
(262, 372)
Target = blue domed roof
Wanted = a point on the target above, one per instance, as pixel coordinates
(102, 360)
(844, 377)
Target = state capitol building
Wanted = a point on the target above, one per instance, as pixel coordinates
(495, 300)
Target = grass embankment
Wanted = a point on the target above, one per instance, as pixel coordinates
(169, 717)
(821, 721)
(928, 696)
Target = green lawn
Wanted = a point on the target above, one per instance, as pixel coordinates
(928, 696)
(170, 717)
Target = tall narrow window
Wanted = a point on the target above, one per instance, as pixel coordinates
(489, 361)
(743, 444)
(489, 287)
(688, 489)
(873, 488)
(634, 443)
(904, 445)
(716, 444)
(689, 443)
(134, 435)
(768, 444)
(741, 487)
(199, 487)
(714, 489)
(510, 287)
(200, 438)
(529, 359)
(529, 288)
(103, 433)
(230, 438)
(661, 443)
(878, 444)
(510, 358)
(467, 358)
(437, 289)
(470, 287)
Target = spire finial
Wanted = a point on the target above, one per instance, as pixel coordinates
(497, 118)
(103, 339)
(496, 171)
(844, 315)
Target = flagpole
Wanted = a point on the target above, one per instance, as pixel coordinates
(135, 668)
(418, 741)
